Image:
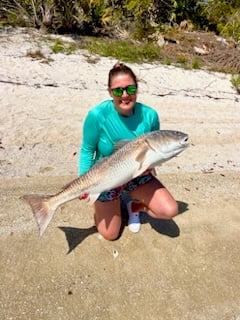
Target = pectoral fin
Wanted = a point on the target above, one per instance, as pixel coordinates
(141, 158)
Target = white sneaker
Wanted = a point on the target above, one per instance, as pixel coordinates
(134, 224)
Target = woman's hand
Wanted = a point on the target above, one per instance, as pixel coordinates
(84, 195)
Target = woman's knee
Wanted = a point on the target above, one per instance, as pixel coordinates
(169, 210)
(110, 235)
(166, 210)
(108, 219)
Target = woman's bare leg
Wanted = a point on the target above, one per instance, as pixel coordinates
(155, 199)
(108, 218)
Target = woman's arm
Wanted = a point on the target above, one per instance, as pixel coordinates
(90, 138)
(156, 122)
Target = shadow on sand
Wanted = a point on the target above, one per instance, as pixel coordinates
(75, 236)
(166, 227)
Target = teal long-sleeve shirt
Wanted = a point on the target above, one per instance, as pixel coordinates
(104, 126)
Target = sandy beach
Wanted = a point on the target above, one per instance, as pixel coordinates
(187, 268)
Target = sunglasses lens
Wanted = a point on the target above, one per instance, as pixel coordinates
(117, 92)
(131, 89)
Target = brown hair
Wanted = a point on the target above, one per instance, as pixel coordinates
(121, 68)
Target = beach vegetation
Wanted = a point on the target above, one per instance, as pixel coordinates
(168, 62)
(181, 60)
(35, 54)
(124, 50)
(132, 30)
(196, 63)
(236, 81)
(60, 46)
(139, 18)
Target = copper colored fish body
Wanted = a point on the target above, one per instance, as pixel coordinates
(129, 161)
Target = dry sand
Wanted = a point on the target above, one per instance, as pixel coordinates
(186, 268)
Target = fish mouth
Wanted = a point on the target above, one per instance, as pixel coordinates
(184, 141)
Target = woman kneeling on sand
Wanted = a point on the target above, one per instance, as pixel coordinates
(122, 118)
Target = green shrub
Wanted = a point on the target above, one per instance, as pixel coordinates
(181, 60)
(236, 81)
(168, 62)
(60, 46)
(196, 63)
(124, 50)
(232, 27)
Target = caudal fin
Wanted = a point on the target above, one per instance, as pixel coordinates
(42, 210)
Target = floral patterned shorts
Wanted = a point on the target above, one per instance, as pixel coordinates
(130, 186)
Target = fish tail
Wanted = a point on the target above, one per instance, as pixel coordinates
(43, 210)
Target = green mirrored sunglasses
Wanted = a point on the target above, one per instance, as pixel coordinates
(118, 92)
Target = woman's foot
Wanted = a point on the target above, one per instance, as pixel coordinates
(134, 224)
